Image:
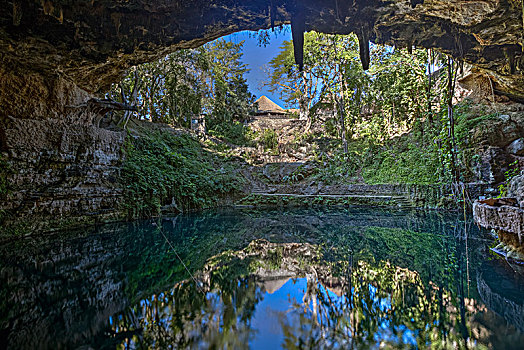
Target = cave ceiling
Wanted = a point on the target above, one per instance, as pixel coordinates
(92, 42)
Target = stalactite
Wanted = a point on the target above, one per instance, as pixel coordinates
(17, 12)
(272, 13)
(298, 26)
(414, 3)
(363, 44)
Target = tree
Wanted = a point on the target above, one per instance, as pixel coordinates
(398, 90)
(186, 83)
(230, 97)
(332, 78)
(382, 102)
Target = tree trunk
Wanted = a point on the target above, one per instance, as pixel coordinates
(430, 62)
(304, 104)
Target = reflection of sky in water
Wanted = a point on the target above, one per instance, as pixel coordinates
(284, 301)
(266, 320)
(387, 332)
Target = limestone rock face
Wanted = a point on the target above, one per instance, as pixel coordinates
(91, 42)
(497, 145)
(505, 218)
(61, 168)
(502, 130)
(493, 164)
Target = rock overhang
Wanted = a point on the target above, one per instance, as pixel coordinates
(93, 41)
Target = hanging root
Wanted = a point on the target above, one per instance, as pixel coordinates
(363, 44)
(298, 27)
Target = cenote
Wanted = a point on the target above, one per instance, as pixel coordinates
(265, 279)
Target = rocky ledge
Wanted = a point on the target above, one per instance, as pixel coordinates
(506, 217)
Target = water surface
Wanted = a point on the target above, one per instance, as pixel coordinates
(304, 278)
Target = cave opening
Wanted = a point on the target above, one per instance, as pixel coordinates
(166, 159)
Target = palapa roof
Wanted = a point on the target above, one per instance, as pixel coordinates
(265, 105)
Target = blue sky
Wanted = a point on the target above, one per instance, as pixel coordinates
(256, 57)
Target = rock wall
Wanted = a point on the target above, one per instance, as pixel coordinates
(497, 144)
(516, 189)
(76, 285)
(58, 167)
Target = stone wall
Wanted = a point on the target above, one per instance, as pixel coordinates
(516, 189)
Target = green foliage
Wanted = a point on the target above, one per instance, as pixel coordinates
(467, 120)
(414, 165)
(509, 174)
(341, 167)
(269, 139)
(162, 167)
(396, 95)
(379, 103)
(298, 175)
(209, 79)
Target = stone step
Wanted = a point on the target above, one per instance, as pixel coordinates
(398, 200)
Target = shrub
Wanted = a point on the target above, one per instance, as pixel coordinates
(233, 132)
(269, 139)
(161, 166)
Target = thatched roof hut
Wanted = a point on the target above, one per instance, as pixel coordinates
(269, 108)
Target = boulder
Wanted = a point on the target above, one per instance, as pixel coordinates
(506, 218)
(517, 147)
(493, 164)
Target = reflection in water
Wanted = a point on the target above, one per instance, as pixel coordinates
(298, 279)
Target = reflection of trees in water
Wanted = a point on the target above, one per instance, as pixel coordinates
(347, 302)
(184, 316)
(383, 305)
(78, 280)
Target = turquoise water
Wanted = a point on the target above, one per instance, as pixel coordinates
(304, 278)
